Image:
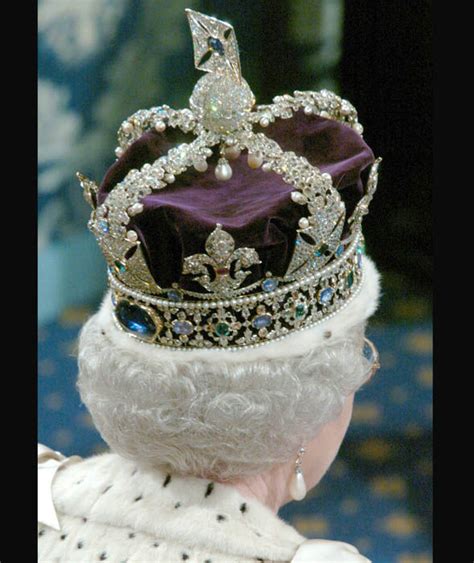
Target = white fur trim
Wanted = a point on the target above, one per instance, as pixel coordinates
(111, 509)
(295, 344)
(327, 551)
(110, 505)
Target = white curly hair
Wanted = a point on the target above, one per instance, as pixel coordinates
(222, 414)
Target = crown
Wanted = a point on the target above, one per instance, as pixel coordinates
(286, 251)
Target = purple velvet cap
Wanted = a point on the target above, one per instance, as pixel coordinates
(254, 206)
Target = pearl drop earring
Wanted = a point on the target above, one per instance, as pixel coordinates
(297, 484)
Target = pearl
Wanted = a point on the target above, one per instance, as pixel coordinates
(223, 171)
(254, 161)
(200, 164)
(303, 223)
(119, 151)
(326, 176)
(135, 209)
(324, 114)
(308, 110)
(264, 122)
(297, 486)
(132, 236)
(358, 128)
(169, 178)
(160, 126)
(127, 127)
(298, 197)
(232, 152)
(266, 167)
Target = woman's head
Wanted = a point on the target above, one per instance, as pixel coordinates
(220, 419)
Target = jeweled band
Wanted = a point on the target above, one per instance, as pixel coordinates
(249, 320)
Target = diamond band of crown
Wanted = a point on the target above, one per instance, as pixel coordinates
(249, 320)
(227, 307)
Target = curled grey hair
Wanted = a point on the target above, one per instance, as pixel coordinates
(218, 420)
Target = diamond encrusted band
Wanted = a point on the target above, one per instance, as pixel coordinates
(237, 323)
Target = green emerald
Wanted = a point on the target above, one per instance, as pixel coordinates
(300, 310)
(222, 329)
(350, 279)
(120, 266)
(321, 250)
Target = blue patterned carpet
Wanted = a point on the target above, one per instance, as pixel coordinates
(377, 494)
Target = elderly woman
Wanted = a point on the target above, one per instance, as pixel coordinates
(222, 365)
(205, 450)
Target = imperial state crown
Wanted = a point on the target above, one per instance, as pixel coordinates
(231, 224)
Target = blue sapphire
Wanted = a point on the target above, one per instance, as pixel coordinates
(325, 295)
(269, 284)
(104, 226)
(340, 250)
(262, 321)
(182, 327)
(135, 319)
(174, 295)
(216, 45)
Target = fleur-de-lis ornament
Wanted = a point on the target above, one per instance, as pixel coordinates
(226, 262)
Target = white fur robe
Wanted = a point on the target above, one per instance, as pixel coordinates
(110, 509)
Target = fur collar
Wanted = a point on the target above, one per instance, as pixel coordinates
(198, 513)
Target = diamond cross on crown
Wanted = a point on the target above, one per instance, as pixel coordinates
(215, 45)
